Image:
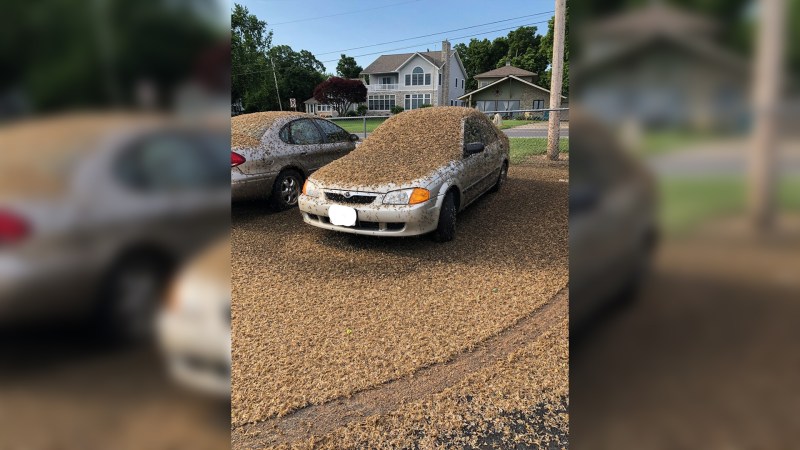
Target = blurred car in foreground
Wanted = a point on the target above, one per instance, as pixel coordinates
(194, 326)
(411, 176)
(612, 220)
(96, 210)
(272, 153)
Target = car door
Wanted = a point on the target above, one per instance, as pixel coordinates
(337, 141)
(306, 144)
(472, 169)
(492, 155)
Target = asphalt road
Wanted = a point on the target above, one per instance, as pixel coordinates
(319, 316)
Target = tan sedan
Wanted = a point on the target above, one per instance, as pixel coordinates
(411, 176)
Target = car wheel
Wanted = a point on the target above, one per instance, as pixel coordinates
(501, 180)
(446, 228)
(286, 190)
(130, 297)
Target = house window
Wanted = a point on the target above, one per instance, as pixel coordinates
(456, 82)
(386, 80)
(414, 101)
(440, 79)
(538, 104)
(417, 77)
(380, 102)
(427, 79)
(462, 83)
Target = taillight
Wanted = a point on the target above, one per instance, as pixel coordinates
(236, 159)
(12, 228)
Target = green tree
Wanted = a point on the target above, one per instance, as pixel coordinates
(251, 80)
(347, 67)
(525, 51)
(253, 58)
(297, 73)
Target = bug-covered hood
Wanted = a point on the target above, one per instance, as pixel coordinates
(407, 148)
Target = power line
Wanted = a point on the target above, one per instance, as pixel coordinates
(436, 42)
(419, 44)
(434, 34)
(344, 13)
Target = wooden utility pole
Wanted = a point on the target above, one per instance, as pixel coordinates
(766, 96)
(556, 78)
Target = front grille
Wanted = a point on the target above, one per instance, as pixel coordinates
(365, 225)
(357, 199)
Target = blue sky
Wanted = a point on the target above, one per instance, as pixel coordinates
(299, 24)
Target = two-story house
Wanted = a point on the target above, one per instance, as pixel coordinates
(411, 80)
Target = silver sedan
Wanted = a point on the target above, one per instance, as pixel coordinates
(403, 182)
(273, 152)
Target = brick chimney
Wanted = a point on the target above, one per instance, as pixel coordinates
(445, 71)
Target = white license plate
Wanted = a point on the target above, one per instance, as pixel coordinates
(342, 215)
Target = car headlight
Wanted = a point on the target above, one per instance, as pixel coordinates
(310, 189)
(411, 196)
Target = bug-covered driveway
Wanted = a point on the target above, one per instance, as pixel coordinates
(319, 315)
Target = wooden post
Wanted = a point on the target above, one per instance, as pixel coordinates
(556, 75)
(766, 96)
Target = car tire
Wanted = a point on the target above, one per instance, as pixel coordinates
(446, 228)
(501, 179)
(130, 296)
(286, 190)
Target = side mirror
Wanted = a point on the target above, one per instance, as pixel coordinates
(354, 138)
(472, 148)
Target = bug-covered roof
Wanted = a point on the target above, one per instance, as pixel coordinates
(248, 129)
(408, 146)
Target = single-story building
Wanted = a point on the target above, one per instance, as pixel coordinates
(507, 88)
(312, 106)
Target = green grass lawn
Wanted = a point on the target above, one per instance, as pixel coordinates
(522, 148)
(687, 202)
(356, 125)
(515, 123)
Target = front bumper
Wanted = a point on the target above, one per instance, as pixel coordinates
(375, 219)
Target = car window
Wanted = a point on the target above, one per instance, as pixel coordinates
(333, 132)
(284, 134)
(304, 132)
(477, 130)
(169, 162)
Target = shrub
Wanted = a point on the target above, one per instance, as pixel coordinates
(396, 109)
(351, 114)
(362, 110)
(425, 105)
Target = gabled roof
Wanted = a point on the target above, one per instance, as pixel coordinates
(510, 77)
(391, 63)
(504, 72)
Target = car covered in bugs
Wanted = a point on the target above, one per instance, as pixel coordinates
(272, 153)
(411, 176)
